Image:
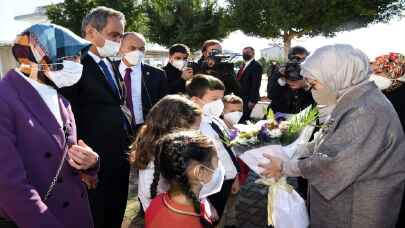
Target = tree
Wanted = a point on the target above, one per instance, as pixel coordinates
(70, 13)
(296, 18)
(184, 21)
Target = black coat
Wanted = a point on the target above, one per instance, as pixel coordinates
(100, 119)
(250, 82)
(397, 99)
(103, 125)
(175, 83)
(284, 99)
(223, 71)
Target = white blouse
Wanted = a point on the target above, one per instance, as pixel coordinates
(48, 94)
(144, 182)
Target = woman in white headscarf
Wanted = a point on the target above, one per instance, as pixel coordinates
(355, 165)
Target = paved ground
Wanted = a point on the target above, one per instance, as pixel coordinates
(251, 205)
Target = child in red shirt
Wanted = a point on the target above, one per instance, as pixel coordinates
(188, 162)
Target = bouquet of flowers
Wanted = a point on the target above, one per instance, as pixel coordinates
(279, 129)
(279, 136)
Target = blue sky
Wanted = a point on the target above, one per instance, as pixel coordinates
(373, 40)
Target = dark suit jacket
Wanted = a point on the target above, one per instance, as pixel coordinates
(154, 86)
(100, 118)
(175, 83)
(250, 82)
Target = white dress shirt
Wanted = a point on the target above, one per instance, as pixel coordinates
(247, 63)
(145, 180)
(98, 59)
(206, 129)
(48, 94)
(136, 90)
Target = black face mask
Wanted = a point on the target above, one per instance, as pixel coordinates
(246, 57)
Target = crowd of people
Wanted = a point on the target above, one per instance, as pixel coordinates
(73, 121)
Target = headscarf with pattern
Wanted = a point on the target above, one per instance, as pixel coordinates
(46, 44)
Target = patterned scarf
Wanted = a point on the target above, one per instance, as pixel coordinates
(46, 44)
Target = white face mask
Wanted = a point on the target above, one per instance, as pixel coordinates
(214, 108)
(233, 117)
(68, 76)
(215, 184)
(381, 82)
(109, 49)
(324, 96)
(179, 64)
(281, 81)
(134, 57)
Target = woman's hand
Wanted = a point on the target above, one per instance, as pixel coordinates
(82, 157)
(273, 168)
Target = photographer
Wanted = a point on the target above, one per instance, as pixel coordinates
(212, 63)
(287, 90)
(178, 69)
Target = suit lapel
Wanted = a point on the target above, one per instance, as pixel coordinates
(36, 105)
(146, 99)
(100, 74)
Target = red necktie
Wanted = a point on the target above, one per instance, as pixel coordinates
(127, 81)
(240, 73)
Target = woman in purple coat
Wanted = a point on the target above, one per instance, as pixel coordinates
(42, 163)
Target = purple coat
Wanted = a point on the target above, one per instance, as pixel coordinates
(31, 148)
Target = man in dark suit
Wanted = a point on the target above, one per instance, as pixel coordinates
(250, 79)
(98, 102)
(289, 94)
(177, 70)
(145, 85)
(212, 63)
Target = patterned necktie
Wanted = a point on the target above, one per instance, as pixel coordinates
(127, 81)
(108, 75)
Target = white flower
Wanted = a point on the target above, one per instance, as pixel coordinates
(275, 133)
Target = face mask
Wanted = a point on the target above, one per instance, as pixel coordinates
(233, 117)
(381, 82)
(109, 49)
(324, 96)
(246, 57)
(214, 108)
(281, 81)
(178, 64)
(215, 184)
(134, 57)
(68, 76)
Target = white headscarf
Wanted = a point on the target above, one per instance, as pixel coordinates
(340, 67)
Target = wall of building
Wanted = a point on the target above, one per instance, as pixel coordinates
(7, 60)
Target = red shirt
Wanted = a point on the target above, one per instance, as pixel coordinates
(163, 212)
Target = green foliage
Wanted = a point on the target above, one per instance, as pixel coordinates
(295, 18)
(70, 13)
(306, 117)
(298, 122)
(184, 21)
(270, 115)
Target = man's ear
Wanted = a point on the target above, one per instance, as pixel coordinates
(89, 32)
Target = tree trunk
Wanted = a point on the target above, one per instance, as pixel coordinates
(287, 37)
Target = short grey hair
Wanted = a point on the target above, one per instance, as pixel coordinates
(97, 18)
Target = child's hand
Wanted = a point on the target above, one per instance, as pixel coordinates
(235, 186)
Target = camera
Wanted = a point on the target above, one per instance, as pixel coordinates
(217, 56)
(291, 70)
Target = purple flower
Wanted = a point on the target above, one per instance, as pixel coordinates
(233, 133)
